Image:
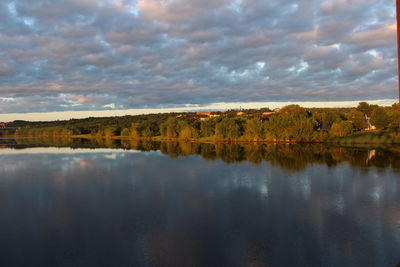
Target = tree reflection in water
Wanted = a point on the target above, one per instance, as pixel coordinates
(315, 206)
(293, 157)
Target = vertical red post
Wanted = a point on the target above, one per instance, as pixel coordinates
(398, 43)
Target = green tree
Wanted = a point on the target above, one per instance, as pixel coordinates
(117, 131)
(357, 118)
(170, 128)
(294, 125)
(108, 131)
(133, 132)
(394, 118)
(341, 129)
(227, 128)
(366, 108)
(253, 130)
(163, 129)
(207, 128)
(144, 129)
(294, 110)
(379, 118)
(188, 132)
(125, 132)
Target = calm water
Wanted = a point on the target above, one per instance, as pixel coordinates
(185, 204)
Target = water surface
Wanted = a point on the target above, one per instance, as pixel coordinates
(186, 204)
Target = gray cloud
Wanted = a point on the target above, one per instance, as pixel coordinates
(88, 54)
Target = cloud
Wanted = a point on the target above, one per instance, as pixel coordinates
(178, 10)
(87, 54)
(373, 38)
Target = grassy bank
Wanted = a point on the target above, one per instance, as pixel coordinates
(359, 138)
(377, 137)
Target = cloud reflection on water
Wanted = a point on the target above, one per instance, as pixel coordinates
(143, 209)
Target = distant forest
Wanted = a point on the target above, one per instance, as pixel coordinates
(292, 123)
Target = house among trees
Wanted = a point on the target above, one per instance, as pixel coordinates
(268, 113)
(207, 114)
(204, 113)
(2, 125)
(292, 123)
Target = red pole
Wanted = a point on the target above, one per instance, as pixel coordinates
(398, 43)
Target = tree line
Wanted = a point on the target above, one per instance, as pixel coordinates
(291, 123)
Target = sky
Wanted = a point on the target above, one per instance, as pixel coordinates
(75, 57)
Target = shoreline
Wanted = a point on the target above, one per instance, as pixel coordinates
(382, 138)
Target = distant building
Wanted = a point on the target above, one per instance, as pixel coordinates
(203, 113)
(240, 113)
(2, 125)
(268, 113)
(208, 114)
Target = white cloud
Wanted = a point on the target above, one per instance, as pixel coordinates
(119, 54)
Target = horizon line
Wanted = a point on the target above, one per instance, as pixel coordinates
(220, 106)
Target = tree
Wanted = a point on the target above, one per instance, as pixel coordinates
(358, 119)
(253, 130)
(207, 128)
(325, 119)
(341, 129)
(293, 123)
(171, 127)
(379, 118)
(227, 129)
(394, 118)
(108, 131)
(145, 129)
(366, 108)
(163, 129)
(363, 107)
(294, 109)
(117, 131)
(186, 131)
(134, 130)
(125, 132)
(262, 110)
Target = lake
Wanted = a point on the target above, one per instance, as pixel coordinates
(141, 203)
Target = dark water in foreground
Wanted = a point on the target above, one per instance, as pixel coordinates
(179, 204)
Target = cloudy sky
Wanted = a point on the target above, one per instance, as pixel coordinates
(77, 55)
